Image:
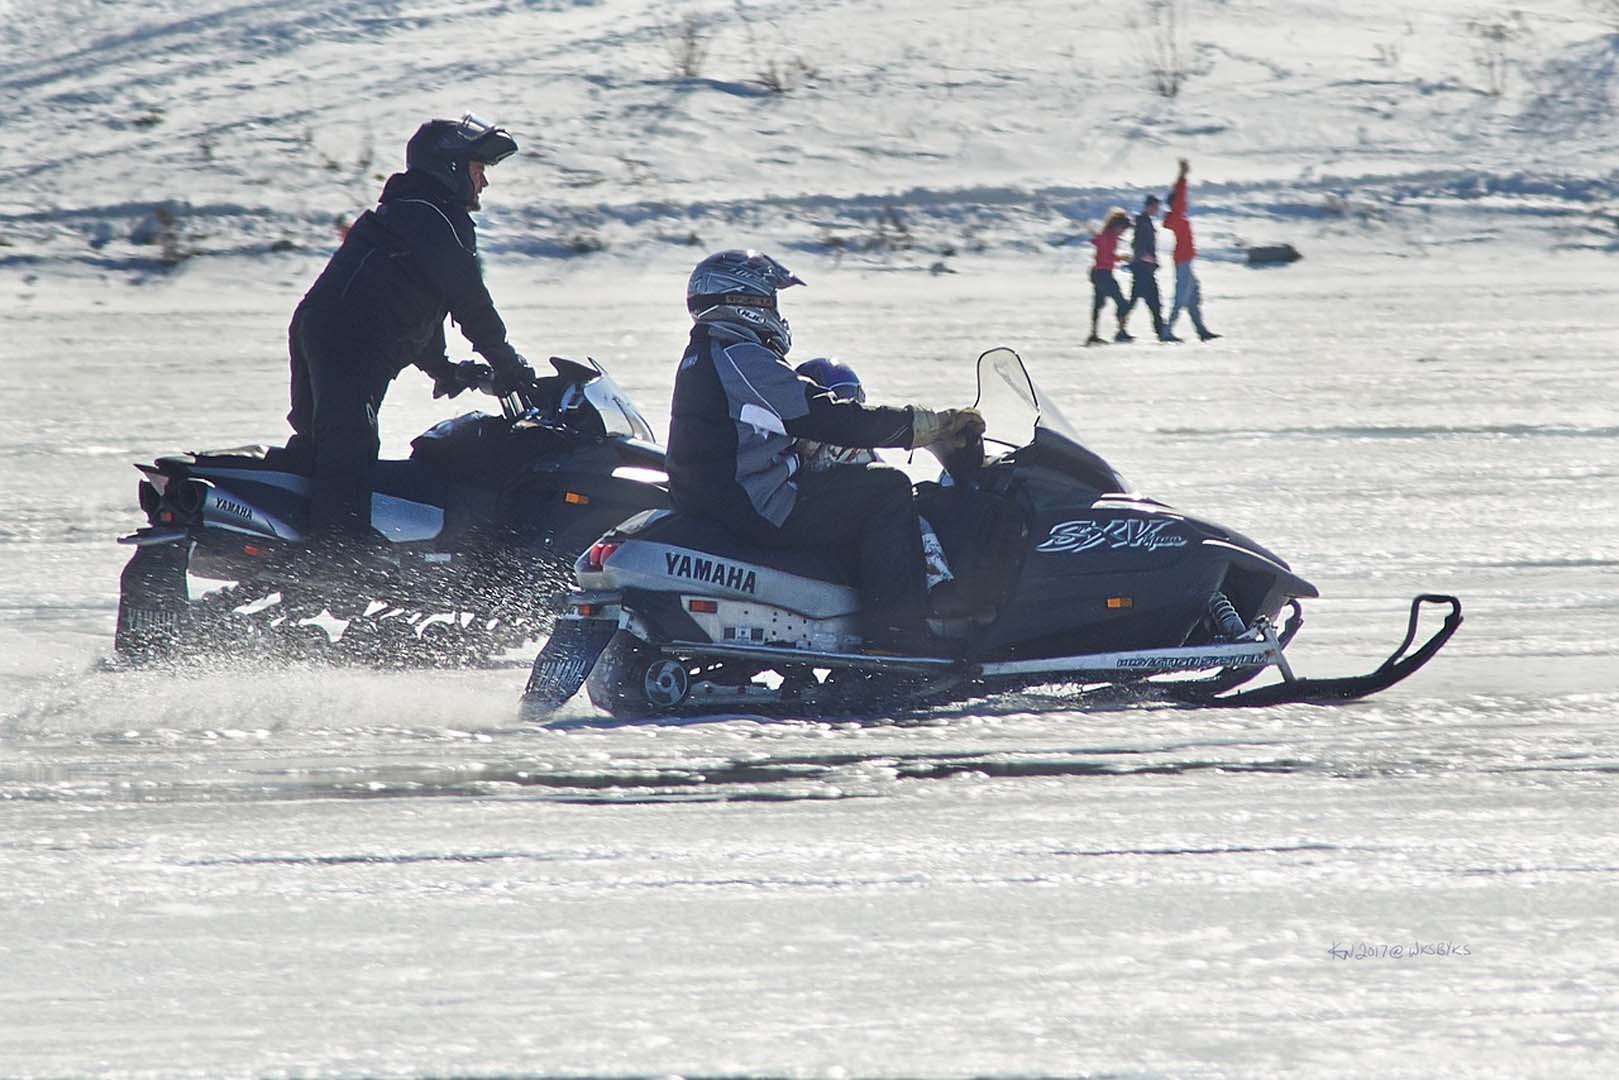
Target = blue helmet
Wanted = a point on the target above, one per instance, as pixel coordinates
(740, 286)
(838, 379)
(441, 149)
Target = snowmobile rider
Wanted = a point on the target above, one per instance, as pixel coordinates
(379, 306)
(843, 384)
(737, 409)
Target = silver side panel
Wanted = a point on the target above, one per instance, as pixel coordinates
(403, 521)
(647, 564)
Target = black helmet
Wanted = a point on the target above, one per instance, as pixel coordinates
(442, 148)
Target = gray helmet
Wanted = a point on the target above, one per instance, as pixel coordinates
(441, 149)
(740, 286)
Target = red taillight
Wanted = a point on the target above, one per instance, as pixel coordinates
(249, 549)
(586, 610)
(703, 607)
(599, 553)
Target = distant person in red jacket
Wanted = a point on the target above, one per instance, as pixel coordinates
(1103, 283)
(1188, 294)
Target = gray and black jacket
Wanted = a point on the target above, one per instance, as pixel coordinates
(402, 268)
(737, 409)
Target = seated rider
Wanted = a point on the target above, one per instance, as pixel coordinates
(737, 409)
(379, 306)
(841, 382)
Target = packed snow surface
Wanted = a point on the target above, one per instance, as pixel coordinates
(259, 871)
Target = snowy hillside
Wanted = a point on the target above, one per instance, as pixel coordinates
(906, 132)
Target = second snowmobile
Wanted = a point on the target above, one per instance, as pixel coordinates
(1062, 577)
(478, 529)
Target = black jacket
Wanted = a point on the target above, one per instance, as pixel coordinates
(402, 268)
(737, 409)
(1144, 244)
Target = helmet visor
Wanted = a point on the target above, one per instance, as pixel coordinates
(488, 144)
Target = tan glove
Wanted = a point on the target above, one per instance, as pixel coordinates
(945, 429)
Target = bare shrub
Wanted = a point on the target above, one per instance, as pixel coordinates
(1161, 29)
(781, 76)
(1497, 36)
(688, 48)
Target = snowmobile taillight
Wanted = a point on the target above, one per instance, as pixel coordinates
(703, 607)
(586, 610)
(1116, 603)
(249, 549)
(575, 498)
(166, 516)
(599, 553)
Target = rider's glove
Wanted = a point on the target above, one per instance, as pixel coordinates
(512, 376)
(944, 430)
(467, 375)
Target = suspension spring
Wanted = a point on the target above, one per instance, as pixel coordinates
(1227, 623)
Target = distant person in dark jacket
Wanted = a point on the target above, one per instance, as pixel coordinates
(1144, 272)
(379, 307)
(738, 409)
(1104, 285)
(1188, 293)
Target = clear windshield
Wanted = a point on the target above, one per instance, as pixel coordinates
(619, 414)
(1011, 403)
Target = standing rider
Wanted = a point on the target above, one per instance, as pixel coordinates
(738, 407)
(379, 306)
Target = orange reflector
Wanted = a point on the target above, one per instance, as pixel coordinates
(1114, 603)
(575, 498)
(249, 549)
(705, 607)
(586, 609)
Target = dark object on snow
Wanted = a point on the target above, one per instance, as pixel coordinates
(1273, 255)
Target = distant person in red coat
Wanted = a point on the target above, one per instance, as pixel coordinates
(1103, 284)
(1188, 294)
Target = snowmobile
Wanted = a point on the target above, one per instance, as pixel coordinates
(478, 530)
(1062, 577)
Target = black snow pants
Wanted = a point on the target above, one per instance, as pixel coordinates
(866, 516)
(336, 392)
(1104, 286)
(1144, 287)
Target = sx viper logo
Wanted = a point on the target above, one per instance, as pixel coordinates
(1088, 534)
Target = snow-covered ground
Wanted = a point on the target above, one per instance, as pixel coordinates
(316, 873)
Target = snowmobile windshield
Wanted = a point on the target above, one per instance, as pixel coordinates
(619, 414)
(1018, 414)
(1012, 405)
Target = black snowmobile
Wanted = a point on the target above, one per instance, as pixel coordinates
(482, 524)
(1061, 578)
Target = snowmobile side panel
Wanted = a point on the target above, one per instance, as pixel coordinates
(403, 521)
